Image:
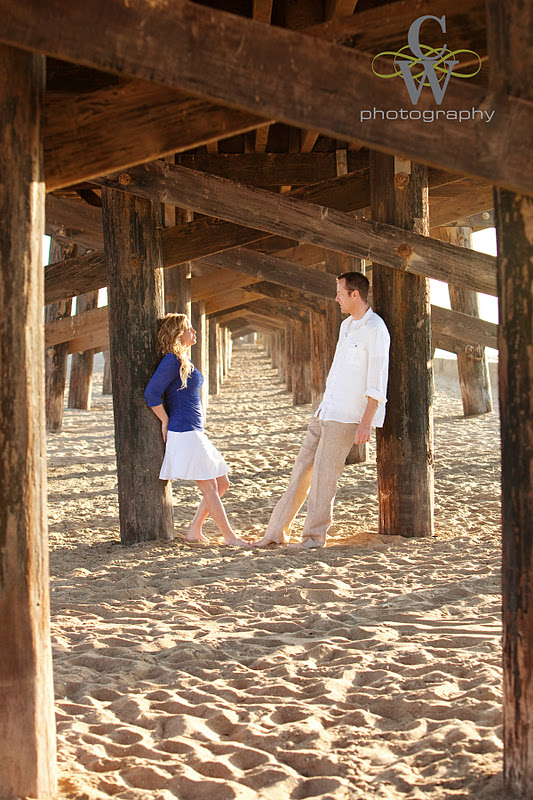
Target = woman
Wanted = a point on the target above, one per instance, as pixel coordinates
(188, 453)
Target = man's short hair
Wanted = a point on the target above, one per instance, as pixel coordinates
(356, 281)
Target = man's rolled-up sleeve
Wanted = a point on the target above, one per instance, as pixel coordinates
(378, 366)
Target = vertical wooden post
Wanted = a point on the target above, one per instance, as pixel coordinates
(220, 360)
(473, 368)
(282, 366)
(107, 387)
(199, 351)
(301, 362)
(176, 279)
(510, 47)
(288, 357)
(214, 384)
(56, 357)
(27, 726)
(81, 366)
(405, 444)
(229, 350)
(135, 289)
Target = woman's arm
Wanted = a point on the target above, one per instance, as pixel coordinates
(161, 414)
(166, 372)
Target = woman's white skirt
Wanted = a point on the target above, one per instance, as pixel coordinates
(191, 456)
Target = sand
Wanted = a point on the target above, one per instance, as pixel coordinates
(369, 669)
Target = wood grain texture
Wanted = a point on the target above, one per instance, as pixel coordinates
(405, 443)
(222, 57)
(309, 222)
(510, 38)
(55, 358)
(27, 724)
(81, 365)
(135, 291)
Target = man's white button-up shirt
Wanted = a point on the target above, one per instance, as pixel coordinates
(359, 370)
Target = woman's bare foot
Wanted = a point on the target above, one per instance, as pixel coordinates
(195, 536)
(234, 541)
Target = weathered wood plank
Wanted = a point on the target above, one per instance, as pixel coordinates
(27, 725)
(136, 121)
(463, 328)
(186, 243)
(71, 221)
(63, 330)
(286, 295)
(271, 169)
(97, 342)
(275, 270)
(235, 297)
(309, 222)
(223, 57)
(135, 291)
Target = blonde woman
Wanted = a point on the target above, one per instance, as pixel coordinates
(188, 453)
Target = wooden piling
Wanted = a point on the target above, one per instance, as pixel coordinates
(81, 366)
(135, 289)
(107, 387)
(510, 44)
(56, 357)
(472, 363)
(405, 444)
(300, 362)
(214, 382)
(177, 279)
(27, 724)
(200, 351)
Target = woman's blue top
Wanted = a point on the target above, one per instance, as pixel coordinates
(183, 406)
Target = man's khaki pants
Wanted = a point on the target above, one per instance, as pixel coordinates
(316, 470)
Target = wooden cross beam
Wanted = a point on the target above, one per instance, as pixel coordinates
(90, 329)
(307, 222)
(112, 129)
(280, 74)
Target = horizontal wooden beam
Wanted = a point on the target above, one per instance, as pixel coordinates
(270, 169)
(281, 74)
(119, 126)
(275, 270)
(231, 299)
(97, 342)
(63, 330)
(192, 241)
(451, 330)
(74, 221)
(463, 328)
(137, 121)
(307, 222)
(293, 297)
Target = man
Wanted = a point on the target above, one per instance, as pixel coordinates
(353, 403)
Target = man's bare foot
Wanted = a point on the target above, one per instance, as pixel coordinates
(264, 542)
(234, 541)
(195, 537)
(307, 544)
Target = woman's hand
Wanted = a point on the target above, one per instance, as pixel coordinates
(164, 429)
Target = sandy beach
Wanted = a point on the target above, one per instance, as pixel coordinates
(369, 669)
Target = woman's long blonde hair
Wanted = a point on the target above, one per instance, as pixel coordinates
(169, 340)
